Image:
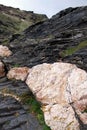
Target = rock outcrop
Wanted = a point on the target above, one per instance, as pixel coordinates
(14, 114)
(63, 38)
(62, 90)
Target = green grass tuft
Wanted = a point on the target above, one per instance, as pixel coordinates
(72, 50)
(85, 111)
(34, 108)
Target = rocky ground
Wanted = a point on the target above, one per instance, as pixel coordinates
(62, 90)
(13, 115)
(63, 38)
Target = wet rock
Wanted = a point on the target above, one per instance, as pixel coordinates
(62, 90)
(18, 73)
(4, 51)
(2, 69)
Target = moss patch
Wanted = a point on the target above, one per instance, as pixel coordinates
(72, 50)
(12, 24)
(33, 105)
(34, 108)
(85, 111)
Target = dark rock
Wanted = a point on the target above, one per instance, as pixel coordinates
(61, 38)
(79, 58)
(47, 41)
(14, 117)
(12, 113)
(72, 21)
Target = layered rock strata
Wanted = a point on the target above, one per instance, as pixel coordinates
(61, 38)
(62, 90)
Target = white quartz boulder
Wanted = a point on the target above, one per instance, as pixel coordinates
(62, 90)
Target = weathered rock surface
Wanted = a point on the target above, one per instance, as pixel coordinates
(62, 90)
(2, 70)
(61, 38)
(4, 51)
(68, 23)
(14, 115)
(18, 73)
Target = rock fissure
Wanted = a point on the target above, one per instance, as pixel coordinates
(68, 88)
(81, 124)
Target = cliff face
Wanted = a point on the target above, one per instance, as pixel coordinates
(61, 38)
(13, 21)
(67, 21)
